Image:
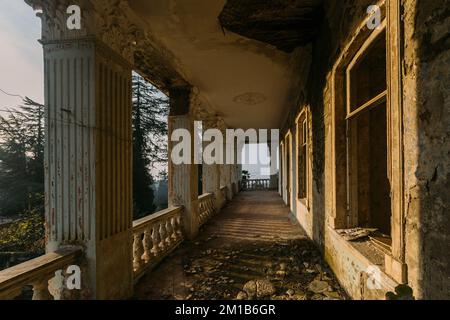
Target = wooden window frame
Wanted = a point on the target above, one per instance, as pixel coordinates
(352, 159)
(288, 154)
(282, 170)
(337, 206)
(303, 141)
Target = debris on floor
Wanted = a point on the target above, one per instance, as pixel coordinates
(356, 233)
(292, 270)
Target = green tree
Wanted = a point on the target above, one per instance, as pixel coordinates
(150, 111)
(22, 159)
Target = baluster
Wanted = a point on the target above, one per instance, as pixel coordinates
(40, 290)
(156, 240)
(169, 230)
(211, 206)
(175, 237)
(148, 245)
(162, 233)
(200, 212)
(178, 223)
(206, 210)
(138, 251)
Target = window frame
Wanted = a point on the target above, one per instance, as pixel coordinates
(351, 136)
(288, 168)
(336, 207)
(303, 141)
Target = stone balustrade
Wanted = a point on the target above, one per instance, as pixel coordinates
(256, 184)
(154, 237)
(206, 208)
(36, 273)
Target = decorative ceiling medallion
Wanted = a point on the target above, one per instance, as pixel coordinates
(250, 98)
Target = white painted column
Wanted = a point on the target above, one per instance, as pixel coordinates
(273, 185)
(211, 175)
(239, 176)
(238, 173)
(183, 178)
(88, 161)
(234, 171)
(228, 173)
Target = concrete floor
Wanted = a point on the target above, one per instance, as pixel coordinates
(252, 238)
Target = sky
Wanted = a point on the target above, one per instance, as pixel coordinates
(21, 57)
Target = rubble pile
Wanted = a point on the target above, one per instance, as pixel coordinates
(292, 270)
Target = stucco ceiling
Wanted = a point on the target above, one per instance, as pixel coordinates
(245, 81)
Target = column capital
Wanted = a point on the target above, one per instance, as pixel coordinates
(103, 20)
(180, 100)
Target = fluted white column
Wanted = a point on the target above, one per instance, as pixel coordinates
(88, 160)
(183, 178)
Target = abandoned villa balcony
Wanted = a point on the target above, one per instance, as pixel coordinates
(349, 100)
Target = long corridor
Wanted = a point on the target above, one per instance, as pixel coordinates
(250, 250)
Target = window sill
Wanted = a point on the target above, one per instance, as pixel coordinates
(368, 246)
(304, 202)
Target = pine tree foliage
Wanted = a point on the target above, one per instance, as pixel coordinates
(22, 159)
(150, 112)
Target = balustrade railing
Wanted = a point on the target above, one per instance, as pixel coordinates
(206, 208)
(36, 273)
(256, 184)
(154, 237)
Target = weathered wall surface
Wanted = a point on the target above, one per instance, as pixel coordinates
(426, 121)
(341, 21)
(427, 147)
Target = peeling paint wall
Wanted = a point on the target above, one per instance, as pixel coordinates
(426, 122)
(427, 146)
